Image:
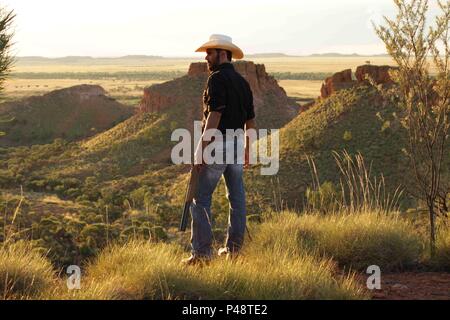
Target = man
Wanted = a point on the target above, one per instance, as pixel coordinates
(228, 104)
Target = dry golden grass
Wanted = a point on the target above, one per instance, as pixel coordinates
(147, 271)
(290, 257)
(24, 273)
(156, 65)
(356, 240)
(301, 89)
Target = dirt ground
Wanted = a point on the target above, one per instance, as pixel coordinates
(412, 286)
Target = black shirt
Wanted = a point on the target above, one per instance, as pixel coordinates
(229, 93)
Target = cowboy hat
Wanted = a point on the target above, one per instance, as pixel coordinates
(219, 41)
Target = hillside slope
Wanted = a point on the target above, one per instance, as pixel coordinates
(130, 163)
(71, 114)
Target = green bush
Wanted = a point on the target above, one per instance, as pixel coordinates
(347, 136)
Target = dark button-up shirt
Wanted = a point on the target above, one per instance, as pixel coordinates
(229, 93)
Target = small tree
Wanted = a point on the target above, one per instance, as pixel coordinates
(6, 60)
(425, 98)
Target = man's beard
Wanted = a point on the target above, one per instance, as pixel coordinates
(213, 66)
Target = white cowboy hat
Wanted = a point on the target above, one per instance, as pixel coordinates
(220, 41)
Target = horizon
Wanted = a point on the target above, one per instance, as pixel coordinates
(274, 54)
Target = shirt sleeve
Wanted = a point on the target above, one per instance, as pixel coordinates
(250, 108)
(217, 94)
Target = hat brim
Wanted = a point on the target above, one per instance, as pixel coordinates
(237, 53)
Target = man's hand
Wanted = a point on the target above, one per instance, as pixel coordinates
(212, 122)
(199, 167)
(249, 124)
(247, 158)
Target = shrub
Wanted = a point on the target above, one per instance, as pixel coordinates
(347, 136)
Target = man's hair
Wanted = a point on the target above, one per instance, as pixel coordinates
(229, 53)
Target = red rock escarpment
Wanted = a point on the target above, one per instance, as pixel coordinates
(338, 81)
(343, 80)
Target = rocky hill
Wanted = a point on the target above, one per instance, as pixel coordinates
(71, 114)
(272, 106)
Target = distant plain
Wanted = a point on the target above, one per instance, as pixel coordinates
(124, 79)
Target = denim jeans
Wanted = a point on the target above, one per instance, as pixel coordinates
(201, 236)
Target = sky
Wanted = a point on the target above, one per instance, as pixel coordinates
(111, 28)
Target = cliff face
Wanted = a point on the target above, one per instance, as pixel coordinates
(260, 81)
(344, 80)
(339, 81)
(379, 74)
(272, 106)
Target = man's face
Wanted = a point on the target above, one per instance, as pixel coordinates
(213, 58)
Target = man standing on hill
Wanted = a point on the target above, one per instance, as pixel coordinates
(227, 105)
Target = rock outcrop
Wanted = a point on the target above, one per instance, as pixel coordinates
(338, 81)
(344, 79)
(155, 101)
(198, 69)
(379, 74)
(255, 74)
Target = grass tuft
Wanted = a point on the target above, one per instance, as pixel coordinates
(356, 240)
(24, 273)
(153, 271)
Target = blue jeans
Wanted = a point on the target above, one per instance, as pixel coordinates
(201, 236)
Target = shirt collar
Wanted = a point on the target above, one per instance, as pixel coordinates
(225, 65)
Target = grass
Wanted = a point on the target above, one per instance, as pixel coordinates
(355, 241)
(290, 257)
(442, 257)
(24, 273)
(301, 89)
(148, 271)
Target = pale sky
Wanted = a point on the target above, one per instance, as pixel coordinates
(107, 28)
